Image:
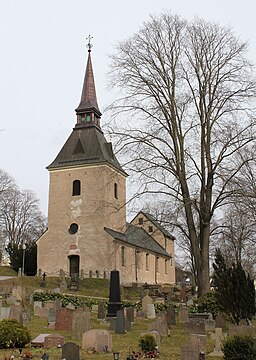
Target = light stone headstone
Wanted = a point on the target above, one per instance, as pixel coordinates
(199, 340)
(151, 312)
(100, 340)
(81, 323)
(145, 301)
(4, 313)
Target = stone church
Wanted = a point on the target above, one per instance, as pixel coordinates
(87, 230)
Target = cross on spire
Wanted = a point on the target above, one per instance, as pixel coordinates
(89, 45)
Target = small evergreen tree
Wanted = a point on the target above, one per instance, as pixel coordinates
(235, 292)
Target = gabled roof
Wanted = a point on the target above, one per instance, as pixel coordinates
(86, 146)
(157, 224)
(138, 237)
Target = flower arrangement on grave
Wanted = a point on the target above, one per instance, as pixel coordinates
(148, 348)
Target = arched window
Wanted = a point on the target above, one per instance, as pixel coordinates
(76, 187)
(123, 255)
(115, 191)
(147, 261)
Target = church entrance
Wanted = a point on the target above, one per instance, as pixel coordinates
(74, 265)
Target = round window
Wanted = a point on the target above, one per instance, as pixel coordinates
(73, 228)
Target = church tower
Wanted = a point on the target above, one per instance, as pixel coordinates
(87, 193)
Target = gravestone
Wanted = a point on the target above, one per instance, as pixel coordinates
(112, 323)
(127, 325)
(49, 304)
(4, 313)
(70, 351)
(39, 340)
(183, 315)
(209, 325)
(120, 322)
(15, 312)
(196, 327)
(199, 340)
(241, 330)
(43, 312)
(24, 318)
(220, 321)
(11, 300)
(45, 356)
(145, 301)
(100, 340)
(51, 316)
(156, 336)
(243, 322)
(114, 303)
(37, 307)
(53, 340)
(130, 314)
(71, 306)
(151, 312)
(159, 325)
(101, 310)
(64, 319)
(218, 337)
(170, 315)
(189, 352)
(81, 322)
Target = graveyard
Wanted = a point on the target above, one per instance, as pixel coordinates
(74, 324)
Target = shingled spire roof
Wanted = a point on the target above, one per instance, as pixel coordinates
(87, 144)
(88, 98)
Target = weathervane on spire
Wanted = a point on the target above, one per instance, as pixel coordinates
(89, 45)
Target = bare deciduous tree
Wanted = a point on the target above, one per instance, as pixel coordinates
(21, 221)
(186, 107)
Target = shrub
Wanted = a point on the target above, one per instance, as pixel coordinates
(13, 334)
(208, 304)
(239, 348)
(147, 343)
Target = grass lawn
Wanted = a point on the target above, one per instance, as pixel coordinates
(124, 344)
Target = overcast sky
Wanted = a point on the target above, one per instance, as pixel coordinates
(42, 64)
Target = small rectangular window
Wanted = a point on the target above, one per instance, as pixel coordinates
(147, 261)
(123, 255)
(115, 191)
(166, 266)
(140, 221)
(157, 264)
(150, 229)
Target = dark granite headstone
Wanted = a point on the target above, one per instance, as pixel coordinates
(120, 322)
(114, 303)
(70, 351)
(52, 315)
(101, 310)
(170, 315)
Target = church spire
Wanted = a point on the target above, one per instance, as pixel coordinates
(88, 113)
